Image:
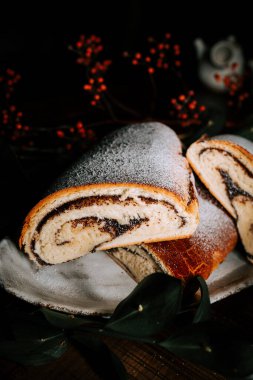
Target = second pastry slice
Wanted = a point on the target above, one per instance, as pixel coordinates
(133, 187)
(225, 165)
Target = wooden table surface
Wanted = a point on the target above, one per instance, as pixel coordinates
(142, 361)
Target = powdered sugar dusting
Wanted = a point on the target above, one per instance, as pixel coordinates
(216, 228)
(148, 153)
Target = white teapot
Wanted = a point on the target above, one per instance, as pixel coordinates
(224, 59)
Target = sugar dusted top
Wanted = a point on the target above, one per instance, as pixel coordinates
(147, 153)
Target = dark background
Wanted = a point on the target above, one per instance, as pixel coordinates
(34, 41)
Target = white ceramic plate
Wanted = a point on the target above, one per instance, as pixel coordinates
(95, 284)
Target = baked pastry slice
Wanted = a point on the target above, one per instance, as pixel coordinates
(200, 254)
(225, 165)
(133, 187)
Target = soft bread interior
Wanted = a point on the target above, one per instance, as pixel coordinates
(135, 260)
(75, 221)
(244, 212)
(227, 171)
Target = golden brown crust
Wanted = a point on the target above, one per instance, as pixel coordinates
(191, 208)
(184, 259)
(236, 147)
(200, 254)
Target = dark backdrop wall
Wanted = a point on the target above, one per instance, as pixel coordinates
(34, 42)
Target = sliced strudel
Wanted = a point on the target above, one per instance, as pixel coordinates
(225, 165)
(133, 187)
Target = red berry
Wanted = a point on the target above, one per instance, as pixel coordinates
(87, 87)
(79, 44)
(181, 98)
(151, 70)
(79, 125)
(60, 134)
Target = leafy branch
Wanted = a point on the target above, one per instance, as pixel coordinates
(161, 311)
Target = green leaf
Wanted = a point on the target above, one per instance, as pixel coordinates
(214, 346)
(34, 352)
(69, 321)
(151, 307)
(33, 326)
(104, 362)
(34, 341)
(203, 307)
(203, 312)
